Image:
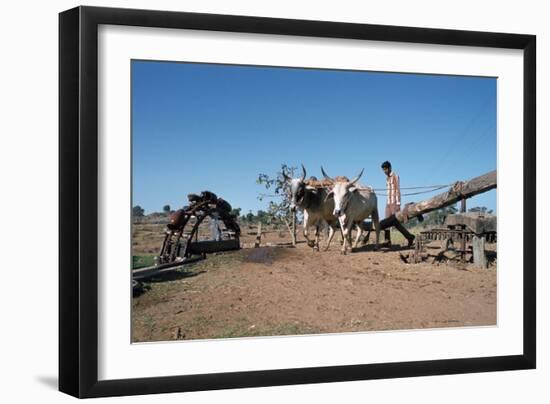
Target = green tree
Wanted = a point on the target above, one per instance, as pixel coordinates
(249, 217)
(480, 209)
(279, 207)
(438, 216)
(435, 218)
(236, 212)
(263, 217)
(138, 211)
(166, 208)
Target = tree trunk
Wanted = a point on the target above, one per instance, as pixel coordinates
(258, 236)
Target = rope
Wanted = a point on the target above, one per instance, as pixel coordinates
(426, 187)
(437, 187)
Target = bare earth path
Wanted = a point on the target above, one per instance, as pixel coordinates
(276, 291)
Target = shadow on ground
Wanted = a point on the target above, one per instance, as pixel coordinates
(381, 248)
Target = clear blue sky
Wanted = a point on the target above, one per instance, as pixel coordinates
(215, 127)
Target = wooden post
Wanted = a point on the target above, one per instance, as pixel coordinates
(478, 245)
(258, 236)
(417, 253)
(293, 228)
(463, 241)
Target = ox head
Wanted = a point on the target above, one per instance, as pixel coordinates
(341, 191)
(297, 188)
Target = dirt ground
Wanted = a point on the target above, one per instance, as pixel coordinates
(290, 291)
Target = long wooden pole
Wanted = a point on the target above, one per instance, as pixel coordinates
(458, 191)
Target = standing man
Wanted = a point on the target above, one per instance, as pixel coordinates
(393, 202)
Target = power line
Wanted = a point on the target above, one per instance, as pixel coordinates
(459, 139)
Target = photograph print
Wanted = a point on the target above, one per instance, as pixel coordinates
(275, 201)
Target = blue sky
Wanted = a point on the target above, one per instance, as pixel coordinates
(216, 127)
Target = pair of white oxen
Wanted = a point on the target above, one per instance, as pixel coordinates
(336, 202)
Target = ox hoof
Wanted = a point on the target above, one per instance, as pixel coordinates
(343, 252)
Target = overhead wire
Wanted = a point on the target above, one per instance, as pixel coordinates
(458, 138)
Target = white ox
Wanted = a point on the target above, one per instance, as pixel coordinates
(315, 206)
(353, 205)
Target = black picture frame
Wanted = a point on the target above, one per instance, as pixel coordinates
(78, 201)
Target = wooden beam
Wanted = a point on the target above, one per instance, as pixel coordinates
(148, 272)
(458, 191)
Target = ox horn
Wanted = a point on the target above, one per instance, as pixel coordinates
(303, 173)
(353, 181)
(285, 177)
(325, 175)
